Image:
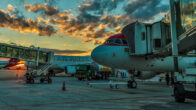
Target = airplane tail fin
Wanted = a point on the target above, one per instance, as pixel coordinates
(12, 62)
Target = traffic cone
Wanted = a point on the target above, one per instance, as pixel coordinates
(63, 87)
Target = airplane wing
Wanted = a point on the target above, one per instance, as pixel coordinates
(108, 83)
(111, 84)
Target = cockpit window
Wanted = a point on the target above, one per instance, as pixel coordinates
(116, 41)
(124, 42)
(110, 41)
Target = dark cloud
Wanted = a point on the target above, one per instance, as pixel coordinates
(95, 19)
(92, 21)
(47, 10)
(51, 2)
(98, 42)
(20, 24)
(64, 52)
(145, 9)
(92, 10)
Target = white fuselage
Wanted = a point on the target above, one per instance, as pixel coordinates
(62, 61)
(116, 57)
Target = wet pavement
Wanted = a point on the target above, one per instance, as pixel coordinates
(16, 95)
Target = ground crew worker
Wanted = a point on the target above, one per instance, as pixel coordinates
(172, 80)
(167, 79)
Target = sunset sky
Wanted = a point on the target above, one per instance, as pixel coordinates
(72, 27)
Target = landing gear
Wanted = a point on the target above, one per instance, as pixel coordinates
(42, 80)
(29, 78)
(132, 84)
(179, 93)
(47, 79)
(114, 86)
(89, 78)
(80, 79)
(30, 81)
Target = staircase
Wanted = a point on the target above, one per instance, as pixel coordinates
(43, 69)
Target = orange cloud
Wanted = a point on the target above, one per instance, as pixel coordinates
(98, 42)
(84, 26)
(22, 25)
(90, 31)
(68, 52)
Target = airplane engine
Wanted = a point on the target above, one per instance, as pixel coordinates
(143, 75)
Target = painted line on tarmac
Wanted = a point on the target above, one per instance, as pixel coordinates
(73, 102)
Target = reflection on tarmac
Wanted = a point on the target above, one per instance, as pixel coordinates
(12, 74)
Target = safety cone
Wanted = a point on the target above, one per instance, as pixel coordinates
(63, 87)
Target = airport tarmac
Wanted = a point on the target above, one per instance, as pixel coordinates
(16, 95)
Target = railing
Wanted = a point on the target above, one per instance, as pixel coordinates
(43, 69)
(25, 53)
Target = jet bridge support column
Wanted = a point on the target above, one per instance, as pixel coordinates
(37, 59)
(174, 36)
(180, 93)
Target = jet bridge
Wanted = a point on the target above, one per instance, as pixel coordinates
(146, 39)
(154, 39)
(33, 55)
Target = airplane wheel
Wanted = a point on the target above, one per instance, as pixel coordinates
(89, 78)
(129, 84)
(41, 80)
(179, 93)
(111, 86)
(31, 81)
(28, 81)
(79, 79)
(134, 84)
(116, 86)
(49, 81)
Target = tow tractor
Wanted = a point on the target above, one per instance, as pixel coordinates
(42, 72)
(187, 77)
(84, 72)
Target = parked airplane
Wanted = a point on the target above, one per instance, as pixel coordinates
(60, 62)
(14, 62)
(114, 53)
(3, 63)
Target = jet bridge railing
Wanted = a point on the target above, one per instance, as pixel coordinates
(186, 43)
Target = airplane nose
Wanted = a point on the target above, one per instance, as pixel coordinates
(98, 54)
